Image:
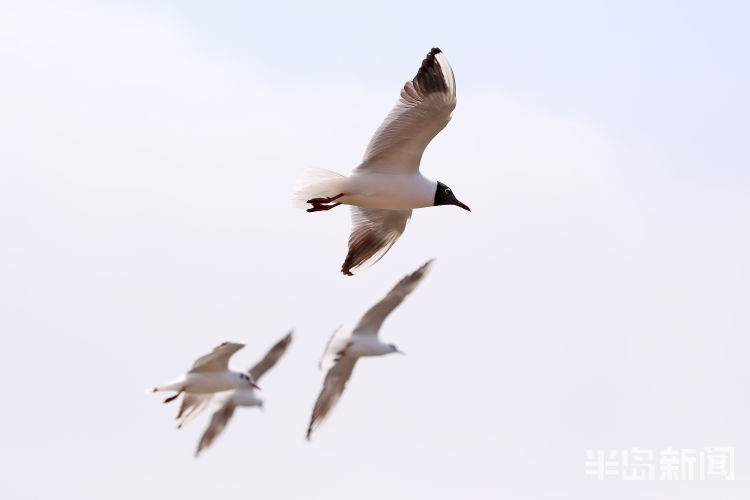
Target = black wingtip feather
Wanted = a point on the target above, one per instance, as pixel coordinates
(430, 78)
(360, 250)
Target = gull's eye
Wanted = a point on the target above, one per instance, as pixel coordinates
(447, 190)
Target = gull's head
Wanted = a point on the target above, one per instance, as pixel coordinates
(444, 196)
(393, 348)
(247, 378)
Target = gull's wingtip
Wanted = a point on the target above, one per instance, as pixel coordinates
(427, 266)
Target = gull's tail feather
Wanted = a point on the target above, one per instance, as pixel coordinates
(174, 385)
(317, 182)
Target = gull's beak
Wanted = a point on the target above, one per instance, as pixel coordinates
(254, 385)
(401, 352)
(459, 204)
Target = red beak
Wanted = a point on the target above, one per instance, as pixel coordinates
(459, 204)
(255, 386)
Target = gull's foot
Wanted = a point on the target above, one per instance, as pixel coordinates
(321, 208)
(322, 204)
(172, 398)
(317, 201)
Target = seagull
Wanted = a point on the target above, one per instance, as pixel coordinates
(387, 185)
(209, 374)
(346, 346)
(225, 402)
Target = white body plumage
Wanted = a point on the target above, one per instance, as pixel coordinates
(393, 191)
(368, 345)
(207, 382)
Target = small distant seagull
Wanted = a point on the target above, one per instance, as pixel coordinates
(346, 346)
(210, 374)
(387, 185)
(225, 402)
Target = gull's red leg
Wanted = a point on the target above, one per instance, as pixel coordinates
(319, 208)
(315, 201)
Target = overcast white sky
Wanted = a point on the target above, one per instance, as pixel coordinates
(596, 296)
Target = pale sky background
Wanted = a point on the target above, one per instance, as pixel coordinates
(596, 296)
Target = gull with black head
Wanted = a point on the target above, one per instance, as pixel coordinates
(209, 374)
(384, 188)
(224, 403)
(346, 346)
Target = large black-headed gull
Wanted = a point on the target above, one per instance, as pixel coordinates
(387, 185)
(225, 402)
(346, 346)
(209, 374)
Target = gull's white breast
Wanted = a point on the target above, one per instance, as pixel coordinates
(393, 191)
(367, 345)
(246, 397)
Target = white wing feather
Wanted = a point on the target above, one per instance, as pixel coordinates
(333, 387)
(422, 111)
(373, 319)
(192, 406)
(218, 359)
(374, 231)
(336, 343)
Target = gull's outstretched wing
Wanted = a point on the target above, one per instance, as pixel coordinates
(423, 110)
(192, 406)
(374, 231)
(333, 386)
(373, 318)
(218, 359)
(271, 357)
(219, 421)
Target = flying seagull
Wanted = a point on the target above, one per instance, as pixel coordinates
(387, 185)
(225, 402)
(209, 374)
(346, 346)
